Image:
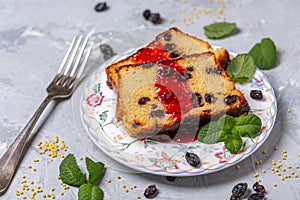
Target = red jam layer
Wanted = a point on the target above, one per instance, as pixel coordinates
(173, 90)
(153, 53)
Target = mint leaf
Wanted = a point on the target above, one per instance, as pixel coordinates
(264, 54)
(226, 122)
(89, 192)
(219, 30)
(70, 172)
(233, 143)
(247, 125)
(241, 68)
(209, 133)
(95, 170)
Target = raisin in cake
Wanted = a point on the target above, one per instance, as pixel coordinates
(176, 95)
(168, 45)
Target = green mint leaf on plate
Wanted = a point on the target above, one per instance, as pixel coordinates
(96, 170)
(219, 30)
(241, 68)
(264, 54)
(247, 125)
(209, 133)
(89, 192)
(226, 122)
(70, 172)
(233, 143)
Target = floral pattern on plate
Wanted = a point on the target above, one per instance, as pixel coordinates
(98, 104)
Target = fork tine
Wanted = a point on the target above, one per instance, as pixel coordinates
(66, 56)
(74, 51)
(79, 56)
(83, 64)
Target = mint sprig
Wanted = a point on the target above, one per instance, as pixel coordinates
(264, 54)
(71, 174)
(90, 192)
(95, 170)
(241, 68)
(219, 30)
(230, 130)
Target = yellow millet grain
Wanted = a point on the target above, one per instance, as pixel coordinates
(295, 176)
(265, 151)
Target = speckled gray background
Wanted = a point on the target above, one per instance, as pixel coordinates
(34, 36)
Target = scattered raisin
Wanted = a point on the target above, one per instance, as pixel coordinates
(209, 98)
(107, 51)
(154, 106)
(143, 100)
(229, 100)
(102, 6)
(136, 124)
(157, 113)
(193, 159)
(147, 14)
(167, 37)
(174, 54)
(256, 94)
(256, 196)
(196, 99)
(214, 70)
(151, 192)
(165, 71)
(190, 69)
(259, 188)
(239, 189)
(183, 76)
(170, 46)
(148, 65)
(155, 18)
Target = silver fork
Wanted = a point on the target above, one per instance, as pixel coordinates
(62, 86)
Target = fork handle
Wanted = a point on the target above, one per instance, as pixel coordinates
(10, 159)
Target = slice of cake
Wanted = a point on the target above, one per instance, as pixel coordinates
(176, 95)
(168, 45)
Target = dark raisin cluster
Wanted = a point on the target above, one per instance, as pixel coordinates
(193, 159)
(152, 17)
(239, 191)
(102, 6)
(151, 192)
(107, 51)
(213, 71)
(256, 94)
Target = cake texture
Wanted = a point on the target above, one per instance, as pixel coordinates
(176, 96)
(168, 45)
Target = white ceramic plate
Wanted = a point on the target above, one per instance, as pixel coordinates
(98, 110)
